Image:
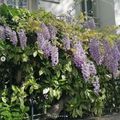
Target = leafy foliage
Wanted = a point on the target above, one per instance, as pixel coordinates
(52, 66)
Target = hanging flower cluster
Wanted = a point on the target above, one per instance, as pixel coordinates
(10, 35)
(22, 38)
(110, 56)
(95, 51)
(86, 66)
(80, 59)
(107, 55)
(90, 24)
(44, 42)
(2, 32)
(66, 42)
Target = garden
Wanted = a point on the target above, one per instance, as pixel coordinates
(51, 67)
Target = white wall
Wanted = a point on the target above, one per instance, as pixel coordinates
(117, 12)
(105, 12)
(34, 4)
(58, 9)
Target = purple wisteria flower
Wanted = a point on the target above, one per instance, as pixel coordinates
(47, 49)
(45, 31)
(94, 48)
(2, 32)
(92, 68)
(8, 32)
(96, 85)
(118, 44)
(88, 70)
(40, 39)
(66, 42)
(52, 31)
(107, 47)
(80, 60)
(116, 53)
(11, 35)
(13, 38)
(43, 44)
(22, 38)
(79, 56)
(90, 24)
(85, 71)
(54, 55)
(111, 59)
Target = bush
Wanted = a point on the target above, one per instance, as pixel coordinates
(61, 66)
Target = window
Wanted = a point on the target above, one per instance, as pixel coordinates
(23, 3)
(87, 7)
(52, 1)
(17, 3)
(11, 3)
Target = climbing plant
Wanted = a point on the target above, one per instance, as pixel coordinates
(55, 63)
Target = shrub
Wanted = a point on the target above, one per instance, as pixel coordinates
(55, 63)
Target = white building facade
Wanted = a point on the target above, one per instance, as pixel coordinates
(106, 12)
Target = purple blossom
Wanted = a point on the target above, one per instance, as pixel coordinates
(52, 31)
(96, 85)
(116, 53)
(54, 55)
(107, 47)
(94, 48)
(43, 44)
(13, 38)
(66, 42)
(92, 68)
(8, 32)
(41, 40)
(85, 71)
(22, 38)
(11, 35)
(79, 56)
(88, 70)
(90, 24)
(111, 60)
(118, 44)
(47, 49)
(2, 32)
(45, 31)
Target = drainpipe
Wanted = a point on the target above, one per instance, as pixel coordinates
(86, 9)
(30, 5)
(17, 3)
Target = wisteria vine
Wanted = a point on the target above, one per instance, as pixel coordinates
(101, 51)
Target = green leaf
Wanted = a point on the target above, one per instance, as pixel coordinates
(31, 90)
(13, 88)
(4, 99)
(24, 58)
(6, 114)
(41, 72)
(13, 98)
(68, 67)
(35, 53)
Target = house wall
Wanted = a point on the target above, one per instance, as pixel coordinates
(34, 4)
(57, 9)
(105, 12)
(117, 11)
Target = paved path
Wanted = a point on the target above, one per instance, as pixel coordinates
(115, 116)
